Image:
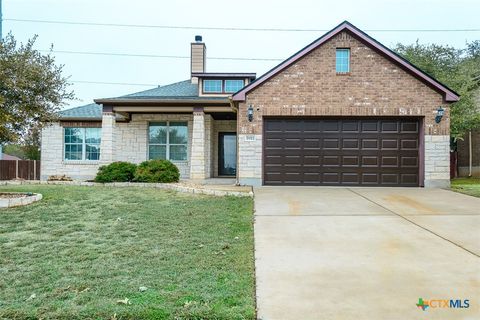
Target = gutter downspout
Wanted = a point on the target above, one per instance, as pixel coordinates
(470, 156)
(235, 109)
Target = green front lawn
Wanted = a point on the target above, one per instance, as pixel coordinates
(80, 250)
(470, 186)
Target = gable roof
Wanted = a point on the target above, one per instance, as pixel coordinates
(448, 94)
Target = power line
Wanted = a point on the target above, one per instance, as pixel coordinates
(82, 23)
(155, 55)
(116, 83)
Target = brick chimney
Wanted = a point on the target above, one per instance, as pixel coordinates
(198, 57)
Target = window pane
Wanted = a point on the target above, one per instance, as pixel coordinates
(93, 135)
(342, 63)
(212, 85)
(178, 133)
(157, 152)
(157, 132)
(178, 152)
(233, 85)
(92, 151)
(73, 152)
(74, 135)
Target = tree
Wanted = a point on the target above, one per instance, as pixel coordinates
(32, 89)
(457, 68)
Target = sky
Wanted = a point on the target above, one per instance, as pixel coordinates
(279, 14)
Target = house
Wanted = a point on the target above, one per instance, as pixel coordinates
(344, 110)
(5, 156)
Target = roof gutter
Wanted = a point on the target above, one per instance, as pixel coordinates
(161, 101)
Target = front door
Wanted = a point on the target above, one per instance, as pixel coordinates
(227, 153)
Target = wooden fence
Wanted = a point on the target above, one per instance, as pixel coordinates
(19, 169)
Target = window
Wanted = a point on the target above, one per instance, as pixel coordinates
(212, 86)
(82, 143)
(232, 86)
(222, 86)
(168, 140)
(342, 61)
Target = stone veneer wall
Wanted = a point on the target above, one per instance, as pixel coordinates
(52, 162)
(130, 143)
(131, 139)
(437, 161)
(375, 86)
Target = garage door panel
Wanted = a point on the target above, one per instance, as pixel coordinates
(409, 144)
(368, 152)
(409, 126)
(331, 143)
(350, 178)
(350, 143)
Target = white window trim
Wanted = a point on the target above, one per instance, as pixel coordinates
(348, 60)
(84, 146)
(225, 85)
(167, 144)
(221, 86)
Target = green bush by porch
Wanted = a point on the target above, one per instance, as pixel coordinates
(162, 171)
(116, 172)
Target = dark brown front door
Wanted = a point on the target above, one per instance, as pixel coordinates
(341, 151)
(227, 153)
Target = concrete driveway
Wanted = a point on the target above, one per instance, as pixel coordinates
(365, 253)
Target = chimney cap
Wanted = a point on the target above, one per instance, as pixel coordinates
(198, 38)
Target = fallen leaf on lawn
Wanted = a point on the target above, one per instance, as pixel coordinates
(188, 304)
(119, 219)
(84, 290)
(236, 238)
(200, 245)
(32, 296)
(125, 301)
(114, 317)
(142, 289)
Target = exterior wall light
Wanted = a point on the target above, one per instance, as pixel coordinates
(250, 113)
(439, 116)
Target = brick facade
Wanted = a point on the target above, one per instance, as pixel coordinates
(375, 86)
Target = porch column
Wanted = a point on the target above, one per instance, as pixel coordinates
(107, 142)
(198, 151)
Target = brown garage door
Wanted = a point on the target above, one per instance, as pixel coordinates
(346, 151)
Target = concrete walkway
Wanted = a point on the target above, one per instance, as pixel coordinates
(365, 253)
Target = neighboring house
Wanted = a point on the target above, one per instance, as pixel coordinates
(9, 157)
(344, 110)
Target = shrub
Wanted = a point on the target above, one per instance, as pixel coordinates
(116, 172)
(157, 171)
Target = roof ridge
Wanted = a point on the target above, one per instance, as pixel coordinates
(155, 88)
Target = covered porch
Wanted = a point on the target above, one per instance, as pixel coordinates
(199, 137)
